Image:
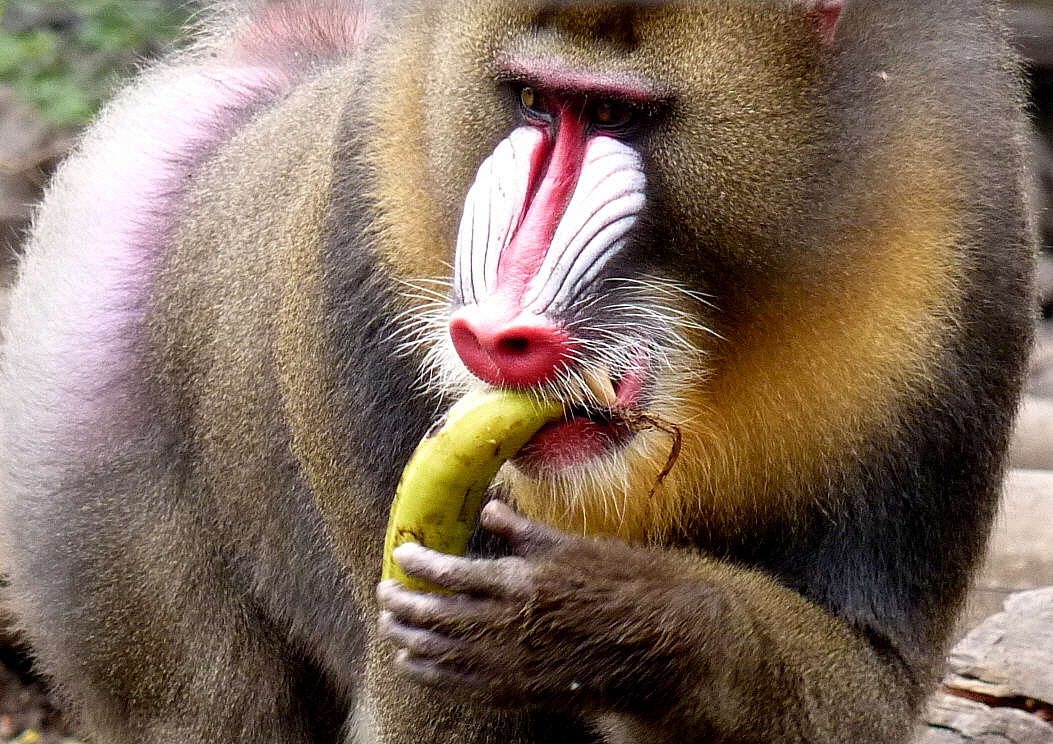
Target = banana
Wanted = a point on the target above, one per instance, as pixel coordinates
(441, 492)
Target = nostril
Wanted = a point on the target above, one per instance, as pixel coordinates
(514, 345)
(524, 351)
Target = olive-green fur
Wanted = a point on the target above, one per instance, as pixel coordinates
(843, 223)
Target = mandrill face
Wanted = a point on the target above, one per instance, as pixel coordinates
(602, 238)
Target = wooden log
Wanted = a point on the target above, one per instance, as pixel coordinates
(1020, 556)
(998, 687)
(1032, 25)
(999, 680)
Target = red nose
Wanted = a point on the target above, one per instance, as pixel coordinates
(521, 352)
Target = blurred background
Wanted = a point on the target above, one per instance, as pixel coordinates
(60, 59)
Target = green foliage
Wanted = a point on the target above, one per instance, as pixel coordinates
(65, 56)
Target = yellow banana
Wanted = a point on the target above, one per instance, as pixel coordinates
(443, 485)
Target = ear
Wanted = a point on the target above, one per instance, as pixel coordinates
(824, 14)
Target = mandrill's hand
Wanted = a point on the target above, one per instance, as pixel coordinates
(563, 619)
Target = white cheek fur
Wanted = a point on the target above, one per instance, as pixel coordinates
(606, 203)
(492, 211)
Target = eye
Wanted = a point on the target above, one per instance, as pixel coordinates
(612, 115)
(533, 103)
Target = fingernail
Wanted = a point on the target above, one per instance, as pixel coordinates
(406, 548)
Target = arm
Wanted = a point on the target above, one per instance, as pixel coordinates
(667, 641)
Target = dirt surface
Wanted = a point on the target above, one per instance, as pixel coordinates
(27, 713)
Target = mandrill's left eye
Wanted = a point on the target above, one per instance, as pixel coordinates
(612, 115)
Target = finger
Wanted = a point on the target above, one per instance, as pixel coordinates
(435, 611)
(420, 642)
(524, 535)
(504, 578)
(433, 673)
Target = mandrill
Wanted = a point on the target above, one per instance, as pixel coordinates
(786, 238)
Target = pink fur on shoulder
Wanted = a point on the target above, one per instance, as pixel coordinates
(313, 28)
